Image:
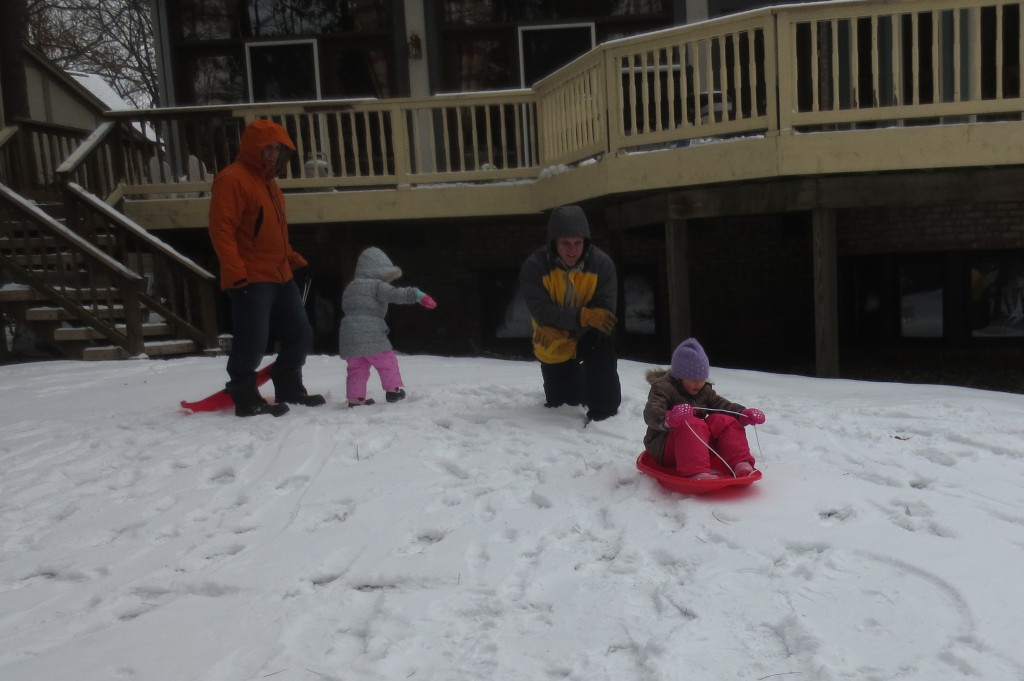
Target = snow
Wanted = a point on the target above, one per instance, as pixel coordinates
(101, 89)
(468, 533)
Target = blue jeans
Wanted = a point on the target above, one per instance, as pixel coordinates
(259, 309)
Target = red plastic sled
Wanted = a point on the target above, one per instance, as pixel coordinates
(221, 399)
(674, 482)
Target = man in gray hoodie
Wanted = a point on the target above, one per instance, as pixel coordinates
(571, 289)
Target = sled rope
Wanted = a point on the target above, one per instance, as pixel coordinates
(712, 449)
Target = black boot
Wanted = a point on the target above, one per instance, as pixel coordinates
(394, 395)
(288, 388)
(249, 402)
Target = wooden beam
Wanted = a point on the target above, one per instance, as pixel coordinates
(968, 185)
(678, 265)
(826, 317)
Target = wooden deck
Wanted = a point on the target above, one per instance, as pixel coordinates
(798, 91)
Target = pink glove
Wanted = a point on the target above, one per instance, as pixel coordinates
(425, 300)
(751, 417)
(677, 415)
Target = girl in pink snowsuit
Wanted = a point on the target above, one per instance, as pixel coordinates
(686, 418)
(363, 333)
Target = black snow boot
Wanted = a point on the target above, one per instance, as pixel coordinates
(249, 402)
(288, 388)
(394, 395)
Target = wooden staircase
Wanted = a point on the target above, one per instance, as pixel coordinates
(106, 290)
(61, 329)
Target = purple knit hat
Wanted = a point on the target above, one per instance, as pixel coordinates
(689, 361)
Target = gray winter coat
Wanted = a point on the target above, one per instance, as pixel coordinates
(365, 303)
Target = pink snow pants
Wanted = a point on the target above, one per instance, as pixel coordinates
(687, 445)
(386, 364)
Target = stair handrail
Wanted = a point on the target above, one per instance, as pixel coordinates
(199, 324)
(126, 281)
(129, 225)
(93, 170)
(29, 151)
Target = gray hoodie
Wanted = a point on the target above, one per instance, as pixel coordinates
(365, 302)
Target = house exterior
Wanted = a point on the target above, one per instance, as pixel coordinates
(218, 52)
(60, 98)
(821, 188)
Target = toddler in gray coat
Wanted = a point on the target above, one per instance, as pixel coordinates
(363, 335)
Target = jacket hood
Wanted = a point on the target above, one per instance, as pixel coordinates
(259, 135)
(373, 263)
(568, 222)
(653, 375)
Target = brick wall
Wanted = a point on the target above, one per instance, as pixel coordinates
(992, 226)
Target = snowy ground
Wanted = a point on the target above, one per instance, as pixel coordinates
(469, 534)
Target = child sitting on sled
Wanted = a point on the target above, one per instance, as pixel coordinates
(688, 422)
(363, 334)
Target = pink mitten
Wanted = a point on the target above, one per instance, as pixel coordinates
(428, 302)
(678, 414)
(752, 417)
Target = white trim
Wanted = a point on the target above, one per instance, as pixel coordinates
(522, 29)
(277, 43)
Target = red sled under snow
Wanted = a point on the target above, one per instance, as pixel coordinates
(222, 399)
(672, 481)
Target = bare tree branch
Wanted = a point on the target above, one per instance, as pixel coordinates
(111, 38)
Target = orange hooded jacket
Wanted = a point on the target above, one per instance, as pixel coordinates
(248, 226)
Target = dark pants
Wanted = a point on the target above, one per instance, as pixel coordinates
(591, 379)
(256, 311)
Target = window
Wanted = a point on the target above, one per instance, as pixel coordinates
(207, 19)
(545, 49)
(997, 296)
(233, 51)
(284, 71)
(491, 44)
(276, 18)
(516, 321)
(638, 304)
(215, 79)
(921, 300)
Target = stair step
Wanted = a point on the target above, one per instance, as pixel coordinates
(80, 333)
(27, 241)
(18, 293)
(34, 240)
(152, 349)
(57, 314)
(36, 260)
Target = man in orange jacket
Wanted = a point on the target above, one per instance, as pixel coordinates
(249, 231)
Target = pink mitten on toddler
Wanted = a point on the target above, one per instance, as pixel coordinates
(677, 415)
(425, 300)
(752, 417)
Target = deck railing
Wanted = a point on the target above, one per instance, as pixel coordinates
(770, 72)
(340, 143)
(899, 63)
(30, 153)
(709, 80)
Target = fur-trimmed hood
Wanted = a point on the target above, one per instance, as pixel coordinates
(653, 375)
